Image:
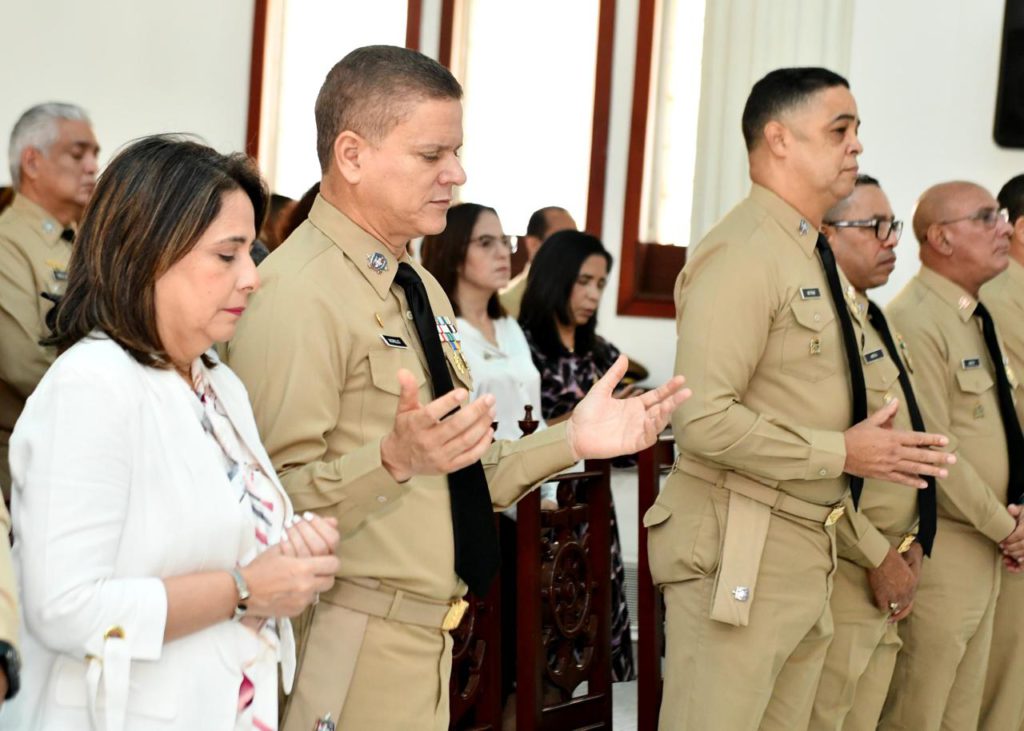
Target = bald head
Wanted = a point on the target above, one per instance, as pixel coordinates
(940, 203)
(962, 235)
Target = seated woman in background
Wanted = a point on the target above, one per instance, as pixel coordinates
(559, 318)
(158, 554)
(472, 260)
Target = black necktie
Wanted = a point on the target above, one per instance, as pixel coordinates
(926, 497)
(1011, 426)
(477, 555)
(68, 235)
(859, 390)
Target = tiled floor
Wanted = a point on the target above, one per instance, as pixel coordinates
(624, 707)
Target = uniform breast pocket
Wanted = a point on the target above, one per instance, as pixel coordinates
(976, 406)
(881, 378)
(384, 365)
(811, 348)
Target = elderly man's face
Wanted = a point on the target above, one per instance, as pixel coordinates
(980, 239)
(866, 260)
(67, 171)
(824, 143)
(407, 179)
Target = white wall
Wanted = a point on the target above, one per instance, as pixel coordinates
(924, 75)
(138, 67)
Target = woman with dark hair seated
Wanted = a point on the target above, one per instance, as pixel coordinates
(559, 318)
(159, 555)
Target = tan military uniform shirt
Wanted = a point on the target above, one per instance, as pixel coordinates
(323, 381)
(33, 259)
(955, 387)
(511, 297)
(762, 349)
(891, 509)
(1004, 297)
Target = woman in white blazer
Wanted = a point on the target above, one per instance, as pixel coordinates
(157, 551)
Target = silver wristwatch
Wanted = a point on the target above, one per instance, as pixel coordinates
(243, 594)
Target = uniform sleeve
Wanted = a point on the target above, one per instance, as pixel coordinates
(294, 380)
(22, 360)
(858, 540)
(725, 311)
(73, 475)
(514, 467)
(963, 490)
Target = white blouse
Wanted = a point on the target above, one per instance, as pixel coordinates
(505, 370)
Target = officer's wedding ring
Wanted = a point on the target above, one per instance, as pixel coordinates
(894, 607)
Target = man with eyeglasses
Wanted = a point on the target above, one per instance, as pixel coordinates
(964, 391)
(1003, 703)
(880, 563)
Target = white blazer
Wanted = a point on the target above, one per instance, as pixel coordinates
(116, 485)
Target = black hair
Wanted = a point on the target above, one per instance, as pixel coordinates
(553, 274)
(781, 90)
(1011, 197)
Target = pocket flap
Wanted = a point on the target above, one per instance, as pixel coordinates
(813, 314)
(974, 380)
(656, 515)
(881, 374)
(384, 365)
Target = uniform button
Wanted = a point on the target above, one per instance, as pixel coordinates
(382, 498)
(817, 317)
(822, 472)
(408, 314)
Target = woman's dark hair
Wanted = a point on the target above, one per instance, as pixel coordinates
(553, 274)
(444, 254)
(299, 211)
(150, 206)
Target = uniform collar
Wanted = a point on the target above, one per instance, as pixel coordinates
(364, 250)
(952, 294)
(792, 221)
(48, 227)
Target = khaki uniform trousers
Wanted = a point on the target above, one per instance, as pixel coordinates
(1002, 707)
(860, 659)
(940, 673)
(355, 666)
(762, 676)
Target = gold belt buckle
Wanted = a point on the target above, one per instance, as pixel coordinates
(453, 617)
(835, 515)
(906, 543)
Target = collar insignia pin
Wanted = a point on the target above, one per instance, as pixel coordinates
(804, 227)
(377, 262)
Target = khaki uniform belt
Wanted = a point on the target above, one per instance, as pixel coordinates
(775, 499)
(371, 597)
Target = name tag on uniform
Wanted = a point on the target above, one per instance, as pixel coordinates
(810, 293)
(874, 355)
(393, 341)
(968, 363)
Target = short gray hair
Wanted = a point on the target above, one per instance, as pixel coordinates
(37, 127)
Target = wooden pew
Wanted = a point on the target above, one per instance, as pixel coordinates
(652, 463)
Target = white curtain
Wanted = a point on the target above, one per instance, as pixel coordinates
(743, 40)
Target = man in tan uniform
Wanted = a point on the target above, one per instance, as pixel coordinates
(877, 575)
(53, 170)
(543, 223)
(335, 344)
(940, 673)
(1003, 703)
(742, 535)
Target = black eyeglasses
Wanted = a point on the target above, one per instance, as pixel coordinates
(884, 227)
(487, 241)
(987, 216)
